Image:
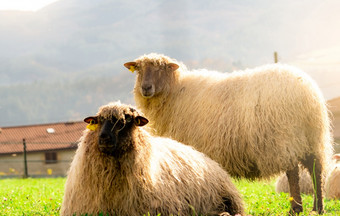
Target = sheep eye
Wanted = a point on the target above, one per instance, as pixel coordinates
(128, 119)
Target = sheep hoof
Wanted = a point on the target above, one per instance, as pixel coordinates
(296, 210)
(319, 211)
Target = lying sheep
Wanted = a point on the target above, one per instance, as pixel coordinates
(255, 123)
(332, 186)
(120, 169)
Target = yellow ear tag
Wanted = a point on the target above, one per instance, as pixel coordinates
(132, 68)
(92, 126)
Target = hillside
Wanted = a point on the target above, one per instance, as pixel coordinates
(53, 60)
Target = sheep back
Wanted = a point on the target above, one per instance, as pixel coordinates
(332, 185)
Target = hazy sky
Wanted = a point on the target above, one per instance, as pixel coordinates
(24, 5)
(305, 33)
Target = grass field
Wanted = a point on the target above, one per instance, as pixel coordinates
(44, 197)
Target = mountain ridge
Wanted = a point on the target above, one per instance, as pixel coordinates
(75, 42)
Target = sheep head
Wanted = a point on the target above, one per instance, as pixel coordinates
(154, 72)
(115, 125)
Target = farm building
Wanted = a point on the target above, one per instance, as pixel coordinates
(334, 107)
(49, 148)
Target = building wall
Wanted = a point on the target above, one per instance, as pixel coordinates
(13, 165)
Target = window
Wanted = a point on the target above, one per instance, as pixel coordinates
(50, 157)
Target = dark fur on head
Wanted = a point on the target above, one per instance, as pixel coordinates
(115, 127)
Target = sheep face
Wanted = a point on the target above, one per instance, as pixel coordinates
(115, 132)
(152, 78)
(109, 134)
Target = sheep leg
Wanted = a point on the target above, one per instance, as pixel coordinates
(315, 169)
(293, 181)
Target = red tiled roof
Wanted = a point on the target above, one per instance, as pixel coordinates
(67, 134)
(42, 137)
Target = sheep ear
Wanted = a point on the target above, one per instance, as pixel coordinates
(336, 157)
(140, 121)
(129, 64)
(172, 66)
(91, 119)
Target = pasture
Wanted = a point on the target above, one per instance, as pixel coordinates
(44, 197)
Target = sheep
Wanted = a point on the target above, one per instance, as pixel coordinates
(305, 182)
(256, 123)
(120, 169)
(332, 185)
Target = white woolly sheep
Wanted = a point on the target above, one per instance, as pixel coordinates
(332, 185)
(255, 123)
(120, 169)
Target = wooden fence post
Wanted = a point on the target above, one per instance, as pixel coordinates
(25, 159)
(275, 57)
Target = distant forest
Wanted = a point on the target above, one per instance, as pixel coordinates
(47, 102)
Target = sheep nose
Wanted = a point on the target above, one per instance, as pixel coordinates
(104, 136)
(147, 87)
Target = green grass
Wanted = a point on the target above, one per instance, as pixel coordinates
(260, 198)
(44, 197)
(31, 196)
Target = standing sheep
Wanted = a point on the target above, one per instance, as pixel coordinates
(120, 169)
(255, 123)
(332, 186)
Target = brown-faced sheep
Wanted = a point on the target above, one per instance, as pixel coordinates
(120, 169)
(332, 186)
(255, 123)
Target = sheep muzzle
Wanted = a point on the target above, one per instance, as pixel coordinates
(147, 90)
(108, 137)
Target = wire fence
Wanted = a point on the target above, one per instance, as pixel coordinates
(31, 159)
(39, 159)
